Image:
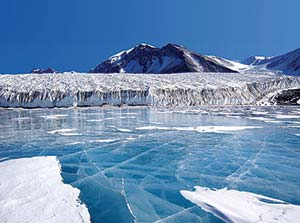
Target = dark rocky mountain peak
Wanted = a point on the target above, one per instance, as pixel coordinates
(171, 58)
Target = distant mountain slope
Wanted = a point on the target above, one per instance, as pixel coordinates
(171, 58)
(43, 71)
(288, 63)
(255, 60)
(233, 65)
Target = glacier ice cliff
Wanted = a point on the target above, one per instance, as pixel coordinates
(184, 89)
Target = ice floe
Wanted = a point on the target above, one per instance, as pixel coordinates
(243, 207)
(31, 190)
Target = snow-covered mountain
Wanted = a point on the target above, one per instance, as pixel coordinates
(288, 63)
(171, 58)
(255, 60)
(233, 65)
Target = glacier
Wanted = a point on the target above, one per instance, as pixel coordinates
(166, 90)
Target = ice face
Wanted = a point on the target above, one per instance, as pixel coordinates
(184, 89)
(131, 163)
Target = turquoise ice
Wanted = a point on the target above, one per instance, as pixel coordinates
(131, 163)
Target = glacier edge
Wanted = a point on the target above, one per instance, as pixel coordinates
(184, 89)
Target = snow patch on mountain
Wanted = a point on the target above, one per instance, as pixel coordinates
(171, 58)
(256, 60)
(231, 64)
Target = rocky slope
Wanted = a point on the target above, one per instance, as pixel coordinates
(171, 58)
(43, 71)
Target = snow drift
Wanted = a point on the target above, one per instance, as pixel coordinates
(243, 207)
(31, 190)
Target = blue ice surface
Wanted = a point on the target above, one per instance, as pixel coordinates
(136, 175)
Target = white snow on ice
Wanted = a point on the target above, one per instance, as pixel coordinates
(65, 132)
(31, 190)
(204, 129)
(124, 130)
(264, 119)
(287, 116)
(243, 207)
(104, 140)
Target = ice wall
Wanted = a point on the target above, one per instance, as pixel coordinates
(187, 89)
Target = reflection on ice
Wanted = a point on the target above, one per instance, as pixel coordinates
(287, 116)
(95, 120)
(61, 131)
(74, 143)
(21, 119)
(53, 116)
(211, 129)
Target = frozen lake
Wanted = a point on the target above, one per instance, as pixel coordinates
(131, 163)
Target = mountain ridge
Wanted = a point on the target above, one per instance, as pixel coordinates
(174, 58)
(171, 58)
(288, 63)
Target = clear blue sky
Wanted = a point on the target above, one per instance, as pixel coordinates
(78, 34)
